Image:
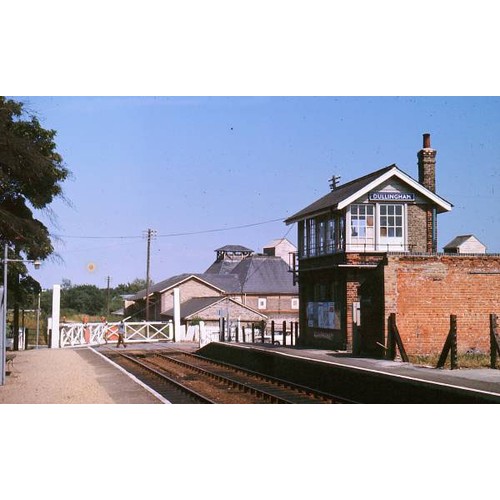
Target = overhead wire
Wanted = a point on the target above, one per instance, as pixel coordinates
(172, 235)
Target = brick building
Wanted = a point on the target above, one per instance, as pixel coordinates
(249, 286)
(369, 248)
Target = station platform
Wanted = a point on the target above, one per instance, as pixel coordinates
(77, 375)
(362, 380)
(81, 375)
(483, 379)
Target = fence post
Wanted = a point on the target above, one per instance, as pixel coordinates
(284, 333)
(223, 330)
(454, 353)
(262, 331)
(272, 332)
(450, 345)
(253, 333)
(391, 339)
(494, 340)
(237, 336)
(395, 339)
(296, 332)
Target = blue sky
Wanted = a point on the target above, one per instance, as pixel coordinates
(195, 164)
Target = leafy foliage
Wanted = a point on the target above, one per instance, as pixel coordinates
(31, 173)
(81, 300)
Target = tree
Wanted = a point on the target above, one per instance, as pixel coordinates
(31, 173)
(84, 299)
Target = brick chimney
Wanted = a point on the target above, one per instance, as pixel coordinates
(427, 177)
(427, 165)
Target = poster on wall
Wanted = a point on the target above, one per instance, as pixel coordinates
(326, 315)
(311, 314)
(322, 315)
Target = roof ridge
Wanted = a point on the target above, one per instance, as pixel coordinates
(375, 174)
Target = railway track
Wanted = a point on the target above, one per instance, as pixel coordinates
(216, 382)
(173, 390)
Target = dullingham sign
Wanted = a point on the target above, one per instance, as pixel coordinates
(387, 196)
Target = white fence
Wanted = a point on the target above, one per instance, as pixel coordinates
(76, 334)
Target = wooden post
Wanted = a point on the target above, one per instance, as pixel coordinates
(391, 340)
(237, 333)
(284, 333)
(450, 345)
(454, 353)
(395, 339)
(262, 331)
(494, 341)
(253, 333)
(223, 330)
(272, 332)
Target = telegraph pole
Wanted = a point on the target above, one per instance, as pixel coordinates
(150, 233)
(108, 279)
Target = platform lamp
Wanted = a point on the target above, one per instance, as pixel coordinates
(3, 336)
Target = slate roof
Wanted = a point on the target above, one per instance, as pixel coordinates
(224, 282)
(340, 193)
(254, 274)
(193, 306)
(340, 196)
(222, 266)
(198, 304)
(234, 248)
(264, 274)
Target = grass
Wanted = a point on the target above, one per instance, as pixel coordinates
(465, 360)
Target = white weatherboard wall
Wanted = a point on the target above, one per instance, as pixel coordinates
(56, 303)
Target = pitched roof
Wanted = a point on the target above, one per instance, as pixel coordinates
(264, 274)
(193, 306)
(196, 305)
(222, 266)
(277, 242)
(337, 195)
(223, 282)
(234, 248)
(253, 274)
(345, 194)
(458, 240)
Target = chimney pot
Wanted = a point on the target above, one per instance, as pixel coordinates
(427, 141)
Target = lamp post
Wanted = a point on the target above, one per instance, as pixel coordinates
(3, 336)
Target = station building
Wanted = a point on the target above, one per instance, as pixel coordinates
(369, 248)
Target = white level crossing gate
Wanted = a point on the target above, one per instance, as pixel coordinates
(77, 334)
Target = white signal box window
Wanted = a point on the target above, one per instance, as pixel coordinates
(295, 303)
(262, 303)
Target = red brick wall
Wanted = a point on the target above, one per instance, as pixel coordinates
(425, 291)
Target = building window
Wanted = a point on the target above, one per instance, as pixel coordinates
(362, 224)
(321, 236)
(262, 303)
(311, 239)
(295, 303)
(391, 221)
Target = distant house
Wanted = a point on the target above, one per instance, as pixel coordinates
(280, 248)
(465, 244)
(239, 284)
(197, 292)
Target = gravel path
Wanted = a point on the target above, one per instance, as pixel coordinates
(62, 376)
